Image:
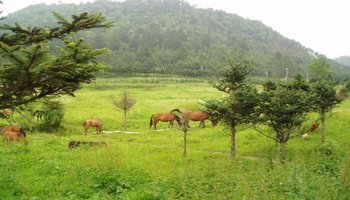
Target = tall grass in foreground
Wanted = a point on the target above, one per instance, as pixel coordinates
(149, 165)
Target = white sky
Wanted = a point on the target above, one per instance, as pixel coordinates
(322, 25)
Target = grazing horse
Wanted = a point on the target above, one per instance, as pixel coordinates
(13, 128)
(164, 117)
(15, 136)
(93, 122)
(73, 144)
(197, 116)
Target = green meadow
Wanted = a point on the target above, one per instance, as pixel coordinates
(148, 164)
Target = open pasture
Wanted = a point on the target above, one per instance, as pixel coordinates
(148, 163)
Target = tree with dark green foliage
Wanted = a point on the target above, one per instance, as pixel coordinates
(32, 68)
(239, 107)
(51, 114)
(324, 99)
(283, 110)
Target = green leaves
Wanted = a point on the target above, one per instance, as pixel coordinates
(32, 69)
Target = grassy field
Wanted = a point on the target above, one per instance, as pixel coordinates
(150, 164)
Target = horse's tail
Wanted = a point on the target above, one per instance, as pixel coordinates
(178, 119)
(84, 123)
(151, 121)
(176, 110)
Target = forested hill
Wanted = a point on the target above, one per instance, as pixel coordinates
(344, 60)
(170, 36)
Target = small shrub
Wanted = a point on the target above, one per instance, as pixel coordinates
(52, 114)
(111, 184)
(328, 159)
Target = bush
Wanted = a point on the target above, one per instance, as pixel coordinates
(328, 159)
(52, 114)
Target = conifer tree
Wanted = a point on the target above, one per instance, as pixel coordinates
(239, 106)
(324, 99)
(125, 104)
(32, 67)
(283, 109)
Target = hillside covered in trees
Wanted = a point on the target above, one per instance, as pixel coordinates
(170, 36)
(344, 60)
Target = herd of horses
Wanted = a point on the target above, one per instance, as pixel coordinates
(17, 133)
(162, 117)
(185, 117)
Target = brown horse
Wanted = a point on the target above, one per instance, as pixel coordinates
(164, 117)
(197, 116)
(73, 144)
(93, 122)
(13, 128)
(15, 136)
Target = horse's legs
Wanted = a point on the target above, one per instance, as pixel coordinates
(201, 123)
(155, 125)
(86, 129)
(100, 129)
(171, 124)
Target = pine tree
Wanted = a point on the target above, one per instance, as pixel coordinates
(125, 103)
(32, 67)
(283, 109)
(324, 99)
(239, 107)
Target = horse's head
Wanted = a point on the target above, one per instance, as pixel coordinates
(214, 121)
(178, 120)
(22, 131)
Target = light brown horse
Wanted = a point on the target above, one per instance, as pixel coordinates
(198, 116)
(13, 128)
(15, 136)
(94, 123)
(164, 117)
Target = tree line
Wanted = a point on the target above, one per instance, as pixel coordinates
(172, 37)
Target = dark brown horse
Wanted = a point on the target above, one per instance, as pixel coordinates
(94, 123)
(197, 116)
(73, 144)
(164, 117)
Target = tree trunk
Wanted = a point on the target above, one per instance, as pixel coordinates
(124, 120)
(233, 142)
(323, 124)
(185, 143)
(283, 152)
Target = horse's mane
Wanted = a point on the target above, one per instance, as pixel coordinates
(175, 110)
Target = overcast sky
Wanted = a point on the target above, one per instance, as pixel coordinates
(322, 25)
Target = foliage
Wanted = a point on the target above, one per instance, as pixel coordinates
(319, 68)
(324, 96)
(344, 60)
(172, 37)
(51, 114)
(31, 68)
(283, 110)
(324, 99)
(125, 103)
(238, 107)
